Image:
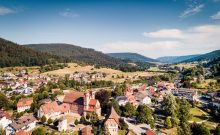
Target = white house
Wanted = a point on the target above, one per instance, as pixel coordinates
(142, 98)
(26, 123)
(4, 119)
(146, 100)
(122, 100)
(62, 126)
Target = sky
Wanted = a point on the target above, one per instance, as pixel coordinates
(153, 28)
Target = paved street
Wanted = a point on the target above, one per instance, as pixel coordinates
(138, 129)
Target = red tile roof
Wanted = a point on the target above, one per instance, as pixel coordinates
(92, 102)
(113, 115)
(149, 132)
(54, 107)
(22, 132)
(74, 97)
(25, 102)
(4, 114)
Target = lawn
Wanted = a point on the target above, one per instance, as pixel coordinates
(123, 132)
(197, 115)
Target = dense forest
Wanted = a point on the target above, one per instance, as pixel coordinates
(214, 66)
(12, 54)
(135, 57)
(90, 56)
(207, 56)
(79, 54)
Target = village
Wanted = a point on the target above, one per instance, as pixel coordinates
(38, 105)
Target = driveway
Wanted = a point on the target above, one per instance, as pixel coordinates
(138, 129)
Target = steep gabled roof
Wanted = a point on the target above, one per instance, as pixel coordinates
(113, 115)
(74, 97)
(54, 107)
(25, 102)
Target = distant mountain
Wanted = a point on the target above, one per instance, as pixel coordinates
(78, 54)
(207, 56)
(135, 57)
(190, 58)
(12, 54)
(175, 59)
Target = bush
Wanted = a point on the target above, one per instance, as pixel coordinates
(39, 131)
(49, 121)
(43, 119)
(82, 119)
(76, 122)
(167, 123)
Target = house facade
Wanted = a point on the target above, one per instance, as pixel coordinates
(82, 102)
(24, 104)
(112, 122)
(53, 110)
(26, 123)
(4, 119)
(62, 126)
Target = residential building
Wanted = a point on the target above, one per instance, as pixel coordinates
(24, 104)
(188, 94)
(150, 132)
(62, 126)
(53, 110)
(142, 98)
(4, 119)
(25, 123)
(122, 100)
(112, 122)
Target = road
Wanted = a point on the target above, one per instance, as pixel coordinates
(138, 129)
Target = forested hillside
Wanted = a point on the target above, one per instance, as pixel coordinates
(12, 54)
(79, 54)
(175, 59)
(207, 56)
(135, 57)
(214, 65)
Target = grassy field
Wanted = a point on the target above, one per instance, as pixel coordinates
(153, 69)
(112, 75)
(185, 65)
(200, 116)
(123, 132)
(197, 115)
(15, 69)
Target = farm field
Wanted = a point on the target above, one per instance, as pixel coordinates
(112, 75)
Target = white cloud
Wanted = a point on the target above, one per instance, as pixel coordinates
(165, 33)
(192, 10)
(5, 11)
(216, 16)
(68, 13)
(193, 40)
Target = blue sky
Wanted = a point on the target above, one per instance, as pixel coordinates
(151, 27)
